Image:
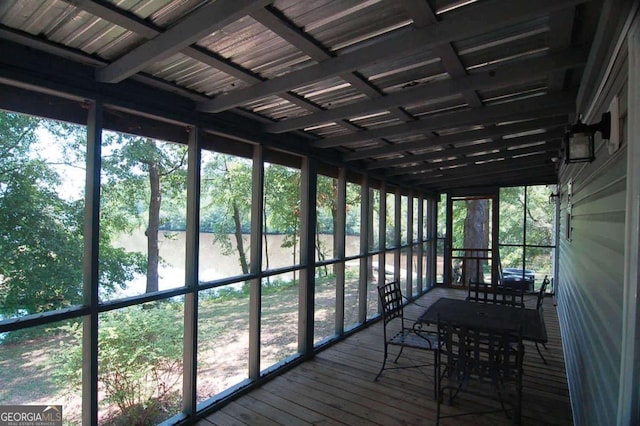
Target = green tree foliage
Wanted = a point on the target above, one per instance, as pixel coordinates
(226, 203)
(140, 361)
(390, 219)
(41, 233)
(327, 198)
(327, 216)
(538, 215)
(282, 204)
(353, 213)
(138, 174)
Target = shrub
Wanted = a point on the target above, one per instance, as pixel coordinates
(139, 361)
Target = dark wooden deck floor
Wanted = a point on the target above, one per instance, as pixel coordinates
(337, 386)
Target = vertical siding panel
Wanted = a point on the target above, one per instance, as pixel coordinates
(591, 277)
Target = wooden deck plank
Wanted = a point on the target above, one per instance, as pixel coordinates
(239, 412)
(273, 412)
(336, 386)
(306, 415)
(223, 418)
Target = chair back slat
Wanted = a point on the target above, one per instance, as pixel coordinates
(512, 295)
(482, 361)
(471, 353)
(541, 292)
(391, 300)
(480, 292)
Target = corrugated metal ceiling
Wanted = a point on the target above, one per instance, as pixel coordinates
(397, 87)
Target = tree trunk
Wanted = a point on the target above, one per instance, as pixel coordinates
(321, 255)
(370, 234)
(334, 219)
(476, 236)
(239, 241)
(153, 251)
(242, 255)
(266, 242)
(295, 246)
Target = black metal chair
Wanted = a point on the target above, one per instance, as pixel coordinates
(542, 292)
(405, 337)
(539, 303)
(483, 362)
(480, 292)
(512, 295)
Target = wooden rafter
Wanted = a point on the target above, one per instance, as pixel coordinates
(467, 150)
(476, 20)
(460, 137)
(541, 106)
(202, 22)
(503, 76)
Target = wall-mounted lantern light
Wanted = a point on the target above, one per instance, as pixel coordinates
(579, 141)
(554, 197)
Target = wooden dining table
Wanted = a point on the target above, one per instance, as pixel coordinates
(488, 316)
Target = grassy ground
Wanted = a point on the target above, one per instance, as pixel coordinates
(26, 374)
(27, 366)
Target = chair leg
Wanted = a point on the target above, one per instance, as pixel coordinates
(501, 400)
(452, 394)
(384, 362)
(540, 353)
(518, 408)
(399, 353)
(439, 397)
(435, 374)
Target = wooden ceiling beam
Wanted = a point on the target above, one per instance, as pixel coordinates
(279, 24)
(467, 150)
(535, 160)
(533, 107)
(530, 177)
(502, 76)
(537, 164)
(474, 20)
(434, 169)
(199, 24)
(468, 136)
(130, 22)
(560, 32)
(422, 15)
(274, 20)
(524, 176)
(142, 28)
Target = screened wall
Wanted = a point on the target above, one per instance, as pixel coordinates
(163, 275)
(526, 234)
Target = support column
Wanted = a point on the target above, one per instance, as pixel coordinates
(340, 235)
(306, 306)
(365, 229)
(255, 295)
(397, 228)
(382, 225)
(190, 341)
(420, 252)
(409, 262)
(90, 266)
